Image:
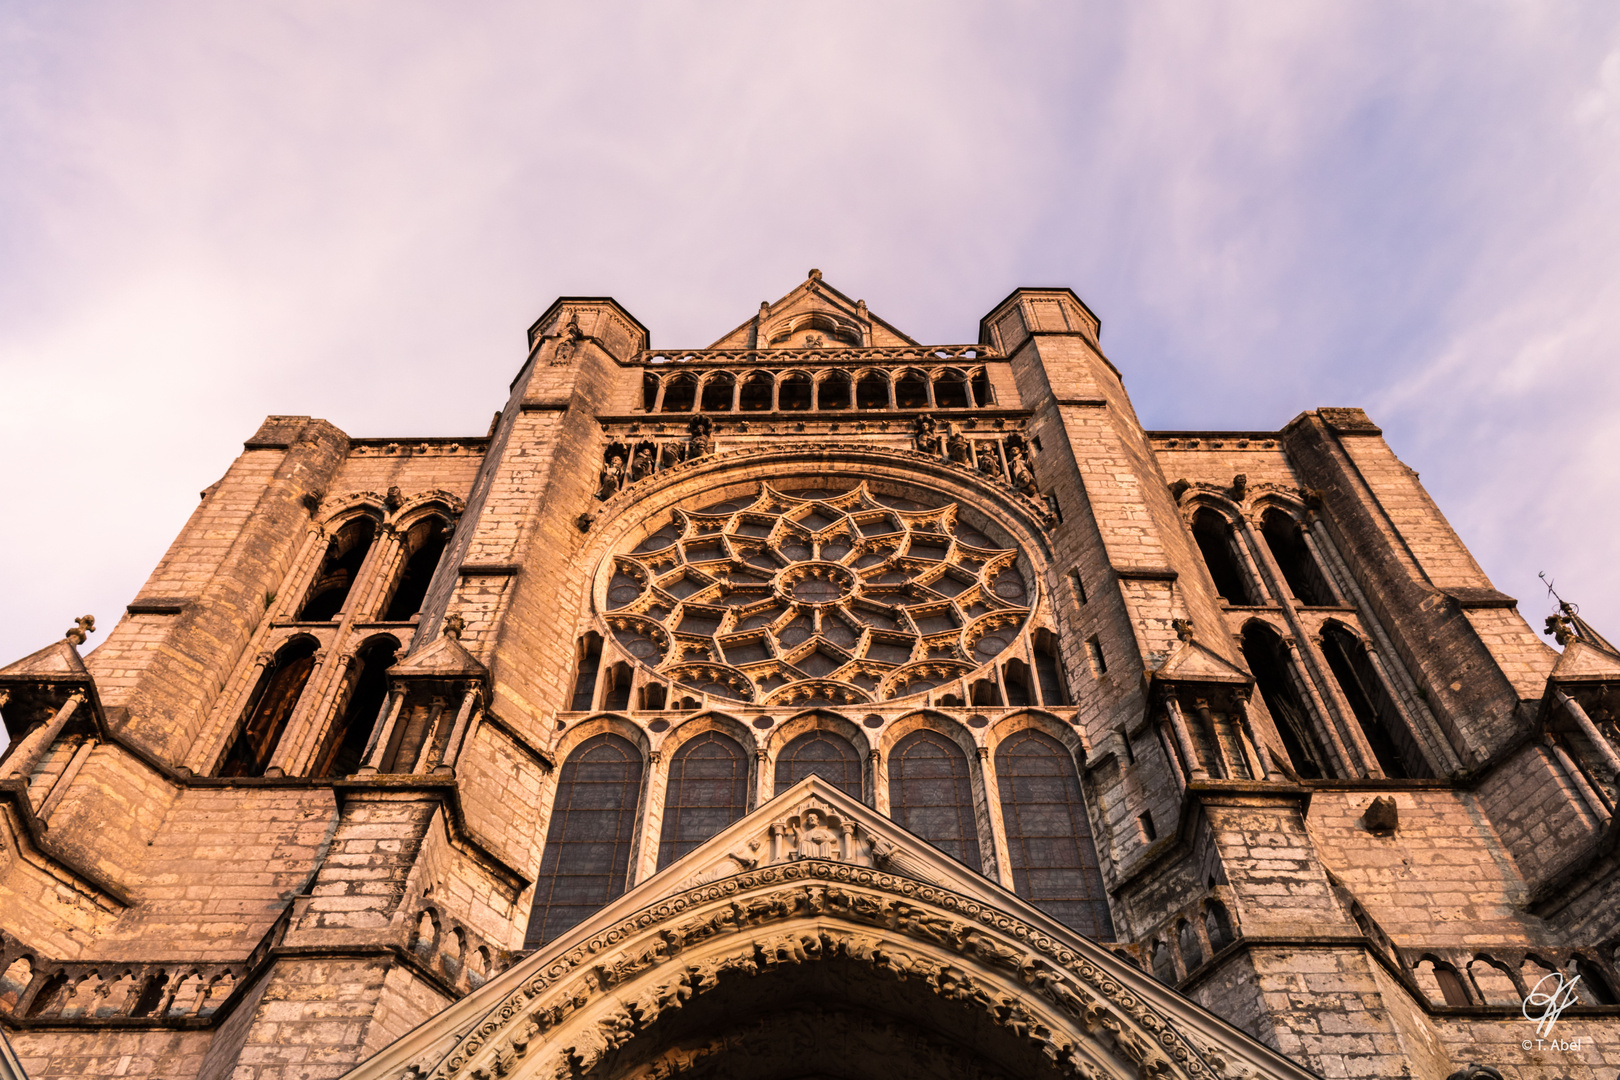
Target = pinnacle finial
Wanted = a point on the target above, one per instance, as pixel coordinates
(82, 626)
(815, 275)
(454, 624)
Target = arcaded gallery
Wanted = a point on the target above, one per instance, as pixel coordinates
(815, 704)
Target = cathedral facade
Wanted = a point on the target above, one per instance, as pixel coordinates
(816, 704)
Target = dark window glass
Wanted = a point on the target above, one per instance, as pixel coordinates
(822, 754)
(587, 855)
(1053, 859)
(930, 795)
(269, 709)
(344, 556)
(708, 790)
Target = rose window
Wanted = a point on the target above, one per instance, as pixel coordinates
(816, 597)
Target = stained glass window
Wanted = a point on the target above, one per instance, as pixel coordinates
(708, 790)
(823, 754)
(587, 854)
(930, 795)
(1052, 856)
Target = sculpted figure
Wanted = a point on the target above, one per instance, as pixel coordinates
(643, 464)
(816, 840)
(987, 461)
(1018, 465)
(701, 430)
(925, 435)
(961, 451)
(608, 479)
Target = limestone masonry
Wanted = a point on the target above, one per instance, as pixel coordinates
(815, 704)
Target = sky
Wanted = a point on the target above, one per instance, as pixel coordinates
(214, 212)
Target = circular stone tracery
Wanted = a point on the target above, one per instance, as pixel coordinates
(816, 597)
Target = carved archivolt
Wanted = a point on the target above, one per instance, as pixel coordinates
(572, 1012)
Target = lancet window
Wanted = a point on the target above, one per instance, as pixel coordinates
(341, 565)
(1049, 846)
(587, 854)
(1215, 540)
(1305, 578)
(1375, 710)
(708, 790)
(820, 753)
(345, 744)
(422, 549)
(1268, 658)
(269, 708)
(930, 794)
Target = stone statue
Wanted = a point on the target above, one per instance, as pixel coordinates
(643, 464)
(925, 435)
(701, 442)
(987, 461)
(816, 840)
(612, 473)
(961, 451)
(1018, 465)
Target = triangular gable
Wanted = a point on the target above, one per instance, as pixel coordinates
(56, 662)
(1192, 662)
(446, 658)
(1583, 661)
(814, 873)
(813, 308)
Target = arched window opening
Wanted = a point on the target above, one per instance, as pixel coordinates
(345, 745)
(1263, 650)
(1015, 677)
(1218, 925)
(929, 794)
(983, 395)
(1287, 543)
(587, 854)
(1192, 950)
(872, 392)
(793, 393)
(833, 391)
(1444, 979)
(1214, 535)
(653, 696)
(911, 392)
(649, 391)
(680, 393)
(1164, 965)
(950, 390)
(823, 754)
(1597, 988)
(587, 659)
(986, 692)
(1051, 853)
(344, 556)
(756, 392)
(269, 709)
(1049, 670)
(423, 548)
(617, 694)
(1375, 711)
(717, 392)
(708, 790)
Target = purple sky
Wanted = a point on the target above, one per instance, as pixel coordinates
(210, 212)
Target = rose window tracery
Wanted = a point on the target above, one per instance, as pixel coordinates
(820, 596)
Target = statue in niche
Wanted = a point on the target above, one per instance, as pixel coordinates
(925, 434)
(1018, 465)
(988, 463)
(611, 476)
(643, 464)
(701, 442)
(958, 446)
(816, 839)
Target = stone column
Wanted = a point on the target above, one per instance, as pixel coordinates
(31, 748)
(1325, 720)
(382, 735)
(1240, 701)
(1184, 742)
(1604, 749)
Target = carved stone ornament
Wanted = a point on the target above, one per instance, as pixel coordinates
(964, 954)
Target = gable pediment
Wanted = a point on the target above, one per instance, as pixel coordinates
(813, 315)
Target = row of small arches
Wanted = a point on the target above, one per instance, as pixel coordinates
(1053, 859)
(1485, 979)
(91, 994)
(804, 391)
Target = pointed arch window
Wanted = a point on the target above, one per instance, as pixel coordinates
(1398, 755)
(1263, 651)
(271, 706)
(823, 754)
(587, 855)
(341, 565)
(1215, 541)
(345, 744)
(708, 790)
(1049, 846)
(930, 795)
(1286, 539)
(423, 548)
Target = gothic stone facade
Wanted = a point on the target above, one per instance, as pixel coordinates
(816, 703)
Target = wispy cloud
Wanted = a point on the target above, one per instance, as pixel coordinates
(212, 213)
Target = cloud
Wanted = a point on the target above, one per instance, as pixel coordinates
(210, 214)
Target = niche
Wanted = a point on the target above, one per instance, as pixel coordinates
(718, 391)
(872, 392)
(833, 391)
(587, 659)
(680, 394)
